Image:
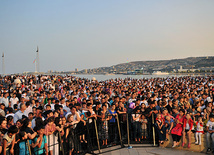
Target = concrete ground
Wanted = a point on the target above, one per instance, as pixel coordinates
(146, 151)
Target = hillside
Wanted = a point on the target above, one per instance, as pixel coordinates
(197, 63)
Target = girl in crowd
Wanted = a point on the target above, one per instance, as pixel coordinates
(59, 129)
(26, 126)
(187, 130)
(23, 143)
(104, 129)
(161, 130)
(49, 132)
(83, 128)
(144, 122)
(178, 129)
(39, 144)
(199, 131)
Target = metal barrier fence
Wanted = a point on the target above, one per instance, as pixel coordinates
(99, 132)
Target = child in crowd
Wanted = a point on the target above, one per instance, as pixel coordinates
(199, 131)
(39, 144)
(144, 122)
(187, 129)
(169, 125)
(104, 129)
(24, 145)
(83, 119)
(161, 130)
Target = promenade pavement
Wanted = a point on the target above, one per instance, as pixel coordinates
(148, 151)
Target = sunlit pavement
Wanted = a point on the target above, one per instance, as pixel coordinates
(147, 151)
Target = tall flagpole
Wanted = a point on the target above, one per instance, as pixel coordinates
(3, 65)
(37, 58)
(35, 66)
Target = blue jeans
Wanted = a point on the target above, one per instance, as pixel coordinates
(137, 130)
(208, 137)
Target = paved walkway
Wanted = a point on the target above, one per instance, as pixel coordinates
(150, 151)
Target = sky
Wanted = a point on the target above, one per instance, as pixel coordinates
(87, 34)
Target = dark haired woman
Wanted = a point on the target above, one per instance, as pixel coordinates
(178, 129)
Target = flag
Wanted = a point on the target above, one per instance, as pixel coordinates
(34, 61)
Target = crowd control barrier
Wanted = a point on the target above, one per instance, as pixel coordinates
(98, 132)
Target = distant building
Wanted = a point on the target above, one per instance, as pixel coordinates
(182, 70)
(76, 69)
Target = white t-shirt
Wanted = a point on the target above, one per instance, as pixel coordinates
(67, 109)
(135, 116)
(14, 101)
(210, 125)
(5, 101)
(199, 127)
(28, 110)
(74, 116)
(187, 126)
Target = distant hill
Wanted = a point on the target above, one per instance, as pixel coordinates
(159, 65)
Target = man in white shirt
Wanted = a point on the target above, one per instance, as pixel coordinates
(18, 115)
(50, 104)
(38, 114)
(76, 116)
(66, 108)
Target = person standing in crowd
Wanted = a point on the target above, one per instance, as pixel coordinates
(39, 144)
(18, 115)
(187, 129)
(112, 125)
(9, 140)
(178, 129)
(210, 134)
(23, 145)
(150, 112)
(144, 122)
(163, 98)
(49, 132)
(169, 123)
(14, 100)
(136, 124)
(103, 129)
(5, 100)
(199, 131)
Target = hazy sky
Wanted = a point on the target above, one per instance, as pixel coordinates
(94, 33)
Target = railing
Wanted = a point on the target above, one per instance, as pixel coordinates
(118, 133)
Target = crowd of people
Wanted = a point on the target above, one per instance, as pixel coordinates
(51, 114)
